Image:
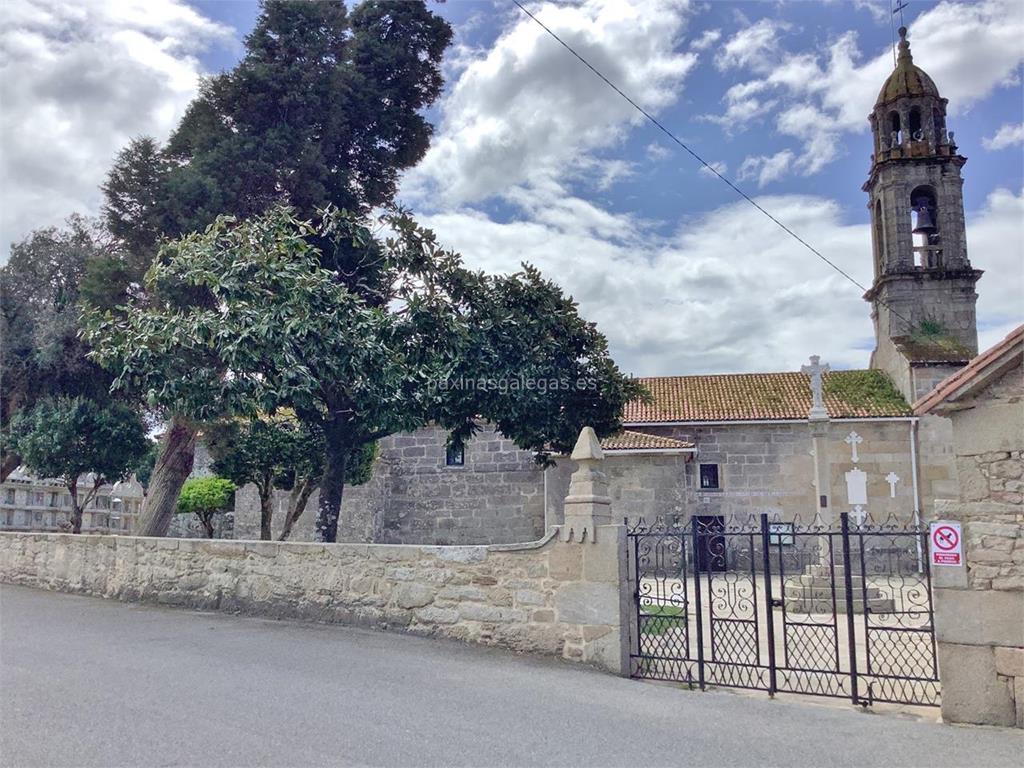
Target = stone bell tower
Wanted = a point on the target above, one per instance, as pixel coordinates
(923, 297)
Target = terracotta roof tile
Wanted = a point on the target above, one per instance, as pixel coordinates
(628, 440)
(757, 396)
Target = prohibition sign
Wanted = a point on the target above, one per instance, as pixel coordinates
(945, 538)
(947, 544)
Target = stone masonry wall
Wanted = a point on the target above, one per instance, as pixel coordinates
(496, 497)
(770, 468)
(647, 486)
(549, 597)
(979, 615)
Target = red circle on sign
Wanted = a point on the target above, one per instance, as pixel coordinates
(945, 537)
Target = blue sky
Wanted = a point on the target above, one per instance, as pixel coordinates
(534, 159)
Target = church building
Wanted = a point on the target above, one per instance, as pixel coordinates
(791, 443)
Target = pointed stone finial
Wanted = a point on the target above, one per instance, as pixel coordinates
(588, 504)
(587, 446)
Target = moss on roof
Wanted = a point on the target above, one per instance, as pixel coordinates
(866, 390)
(932, 348)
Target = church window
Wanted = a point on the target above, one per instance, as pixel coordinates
(455, 456)
(709, 477)
(879, 239)
(915, 124)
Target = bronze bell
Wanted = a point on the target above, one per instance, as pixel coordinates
(925, 225)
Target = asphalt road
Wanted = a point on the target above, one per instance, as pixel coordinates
(88, 682)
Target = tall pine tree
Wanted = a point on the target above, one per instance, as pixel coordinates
(324, 108)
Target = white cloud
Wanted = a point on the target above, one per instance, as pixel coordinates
(1007, 136)
(656, 151)
(995, 243)
(969, 49)
(756, 47)
(813, 126)
(708, 38)
(766, 168)
(879, 10)
(743, 107)
(78, 81)
(525, 112)
(729, 291)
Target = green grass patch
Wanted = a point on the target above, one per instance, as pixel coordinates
(659, 619)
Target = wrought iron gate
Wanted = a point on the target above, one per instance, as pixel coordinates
(828, 610)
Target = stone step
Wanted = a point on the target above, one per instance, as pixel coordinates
(825, 593)
(824, 581)
(822, 570)
(880, 605)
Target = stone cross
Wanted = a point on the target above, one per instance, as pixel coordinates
(588, 504)
(858, 514)
(815, 371)
(892, 478)
(853, 440)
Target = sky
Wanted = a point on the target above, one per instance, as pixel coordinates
(536, 160)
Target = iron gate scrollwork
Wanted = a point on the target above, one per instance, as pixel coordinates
(828, 610)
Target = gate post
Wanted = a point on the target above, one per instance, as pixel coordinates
(844, 519)
(769, 603)
(696, 593)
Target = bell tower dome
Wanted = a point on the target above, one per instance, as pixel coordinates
(922, 297)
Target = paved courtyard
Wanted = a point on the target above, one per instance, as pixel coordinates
(88, 682)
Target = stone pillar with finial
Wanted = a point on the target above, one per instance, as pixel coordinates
(588, 505)
(818, 419)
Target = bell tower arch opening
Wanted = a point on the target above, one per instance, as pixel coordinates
(925, 231)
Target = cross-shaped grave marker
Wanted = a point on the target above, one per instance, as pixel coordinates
(853, 440)
(892, 478)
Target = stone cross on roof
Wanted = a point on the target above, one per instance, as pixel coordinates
(815, 371)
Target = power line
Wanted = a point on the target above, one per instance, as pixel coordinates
(700, 159)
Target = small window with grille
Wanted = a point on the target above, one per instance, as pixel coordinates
(709, 477)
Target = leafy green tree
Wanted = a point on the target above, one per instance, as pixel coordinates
(324, 108)
(277, 453)
(41, 355)
(205, 497)
(370, 358)
(68, 438)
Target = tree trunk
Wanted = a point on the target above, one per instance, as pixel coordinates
(11, 462)
(296, 505)
(76, 519)
(266, 511)
(207, 523)
(332, 483)
(173, 466)
(76, 508)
